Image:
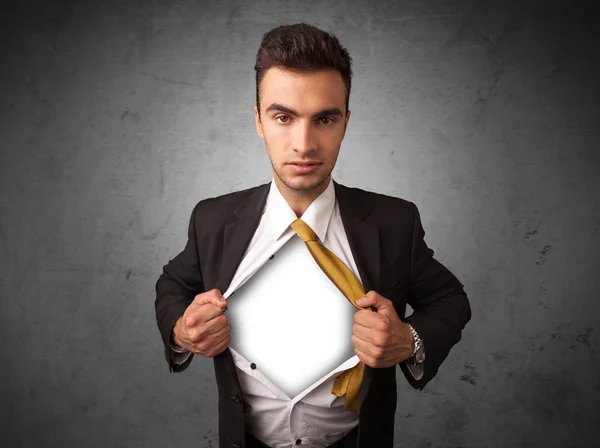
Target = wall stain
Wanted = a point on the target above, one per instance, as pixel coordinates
(471, 375)
(210, 438)
(501, 355)
(542, 293)
(529, 234)
(585, 338)
(157, 232)
(543, 253)
(133, 116)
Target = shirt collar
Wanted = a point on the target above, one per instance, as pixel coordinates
(317, 215)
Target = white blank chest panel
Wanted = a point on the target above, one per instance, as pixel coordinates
(291, 320)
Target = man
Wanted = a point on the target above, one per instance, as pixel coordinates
(303, 79)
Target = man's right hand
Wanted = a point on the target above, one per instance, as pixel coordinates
(203, 329)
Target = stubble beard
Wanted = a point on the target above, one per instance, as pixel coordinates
(315, 184)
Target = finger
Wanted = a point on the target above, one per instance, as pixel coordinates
(364, 357)
(216, 325)
(371, 320)
(376, 300)
(220, 347)
(216, 343)
(207, 344)
(369, 336)
(366, 347)
(206, 297)
(209, 329)
(204, 313)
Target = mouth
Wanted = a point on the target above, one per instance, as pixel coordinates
(304, 163)
(303, 167)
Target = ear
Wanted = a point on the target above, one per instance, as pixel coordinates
(346, 122)
(258, 123)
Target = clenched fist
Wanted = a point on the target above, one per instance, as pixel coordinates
(203, 329)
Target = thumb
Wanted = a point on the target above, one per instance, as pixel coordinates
(196, 313)
(375, 300)
(213, 296)
(195, 310)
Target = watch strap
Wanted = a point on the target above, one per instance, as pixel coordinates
(417, 339)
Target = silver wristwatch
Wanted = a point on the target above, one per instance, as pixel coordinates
(418, 355)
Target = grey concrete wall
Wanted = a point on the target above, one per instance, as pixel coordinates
(118, 117)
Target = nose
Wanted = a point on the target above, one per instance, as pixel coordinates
(304, 139)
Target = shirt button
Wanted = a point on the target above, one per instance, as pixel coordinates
(236, 398)
(298, 442)
(253, 366)
(271, 257)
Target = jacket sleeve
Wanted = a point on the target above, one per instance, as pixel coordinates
(441, 307)
(180, 281)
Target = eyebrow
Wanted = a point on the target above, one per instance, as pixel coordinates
(287, 110)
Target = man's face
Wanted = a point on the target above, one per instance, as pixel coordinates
(302, 120)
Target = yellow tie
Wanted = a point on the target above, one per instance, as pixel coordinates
(349, 381)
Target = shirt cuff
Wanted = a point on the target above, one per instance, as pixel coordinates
(415, 370)
(176, 348)
(181, 354)
(180, 358)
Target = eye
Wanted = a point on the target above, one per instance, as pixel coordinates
(331, 120)
(328, 120)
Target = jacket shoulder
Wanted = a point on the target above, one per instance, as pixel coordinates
(224, 204)
(381, 203)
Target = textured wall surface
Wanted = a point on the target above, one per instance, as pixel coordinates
(118, 117)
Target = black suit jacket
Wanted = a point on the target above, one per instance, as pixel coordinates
(386, 238)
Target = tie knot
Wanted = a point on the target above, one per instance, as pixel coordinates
(303, 230)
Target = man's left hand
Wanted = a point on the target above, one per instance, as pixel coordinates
(380, 339)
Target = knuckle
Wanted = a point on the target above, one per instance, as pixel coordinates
(382, 325)
(194, 335)
(202, 345)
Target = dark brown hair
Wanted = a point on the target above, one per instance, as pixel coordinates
(302, 48)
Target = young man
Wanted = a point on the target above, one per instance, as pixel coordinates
(303, 83)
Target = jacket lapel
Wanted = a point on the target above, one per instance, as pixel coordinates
(238, 234)
(363, 238)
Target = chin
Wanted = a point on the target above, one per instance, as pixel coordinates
(303, 182)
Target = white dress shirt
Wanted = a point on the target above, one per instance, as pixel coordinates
(316, 416)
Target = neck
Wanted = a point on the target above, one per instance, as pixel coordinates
(300, 200)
